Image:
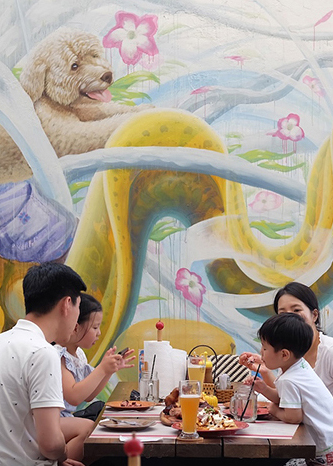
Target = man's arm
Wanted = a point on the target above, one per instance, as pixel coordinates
(50, 439)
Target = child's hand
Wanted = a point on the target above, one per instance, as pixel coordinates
(111, 360)
(123, 363)
(250, 360)
(259, 385)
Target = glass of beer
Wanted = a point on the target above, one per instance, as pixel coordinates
(189, 397)
(196, 368)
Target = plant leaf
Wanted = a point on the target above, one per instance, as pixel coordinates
(233, 147)
(75, 187)
(123, 94)
(269, 229)
(258, 155)
(17, 72)
(271, 165)
(133, 78)
(161, 235)
(144, 299)
(77, 199)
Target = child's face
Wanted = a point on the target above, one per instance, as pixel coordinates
(89, 332)
(270, 357)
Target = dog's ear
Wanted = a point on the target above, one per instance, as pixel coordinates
(33, 79)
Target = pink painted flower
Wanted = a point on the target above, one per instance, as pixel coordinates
(288, 128)
(237, 58)
(314, 84)
(266, 200)
(133, 36)
(189, 283)
(202, 90)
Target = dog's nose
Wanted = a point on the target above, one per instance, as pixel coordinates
(107, 77)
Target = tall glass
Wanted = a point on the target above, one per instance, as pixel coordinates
(196, 368)
(189, 397)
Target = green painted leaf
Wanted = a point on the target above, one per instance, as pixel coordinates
(257, 155)
(270, 229)
(17, 72)
(123, 94)
(176, 62)
(233, 147)
(133, 78)
(162, 230)
(161, 235)
(271, 165)
(170, 28)
(77, 199)
(75, 187)
(234, 135)
(144, 299)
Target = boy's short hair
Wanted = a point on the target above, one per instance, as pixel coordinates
(287, 331)
(44, 285)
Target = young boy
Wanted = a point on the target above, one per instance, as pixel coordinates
(300, 395)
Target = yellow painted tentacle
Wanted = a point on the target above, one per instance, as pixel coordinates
(276, 266)
(93, 256)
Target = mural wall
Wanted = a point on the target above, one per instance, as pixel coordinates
(175, 154)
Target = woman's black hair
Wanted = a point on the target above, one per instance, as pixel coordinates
(88, 305)
(287, 331)
(301, 292)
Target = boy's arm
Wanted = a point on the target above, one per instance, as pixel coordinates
(261, 387)
(251, 361)
(289, 415)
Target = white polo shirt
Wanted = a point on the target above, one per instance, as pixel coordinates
(30, 377)
(300, 387)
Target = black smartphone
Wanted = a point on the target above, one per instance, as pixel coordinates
(124, 351)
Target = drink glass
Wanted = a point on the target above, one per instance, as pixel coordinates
(149, 387)
(244, 401)
(189, 397)
(196, 368)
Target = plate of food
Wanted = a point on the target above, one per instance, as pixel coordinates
(262, 413)
(214, 431)
(130, 405)
(123, 423)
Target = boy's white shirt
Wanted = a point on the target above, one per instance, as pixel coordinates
(300, 387)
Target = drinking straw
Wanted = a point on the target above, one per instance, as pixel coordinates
(152, 367)
(251, 390)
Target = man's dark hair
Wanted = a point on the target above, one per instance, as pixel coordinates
(287, 331)
(301, 292)
(46, 284)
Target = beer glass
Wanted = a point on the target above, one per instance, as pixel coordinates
(196, 368)
(189, 397)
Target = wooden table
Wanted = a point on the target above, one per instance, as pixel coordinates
(254, 451)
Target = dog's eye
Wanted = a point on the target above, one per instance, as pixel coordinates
(74, 66)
